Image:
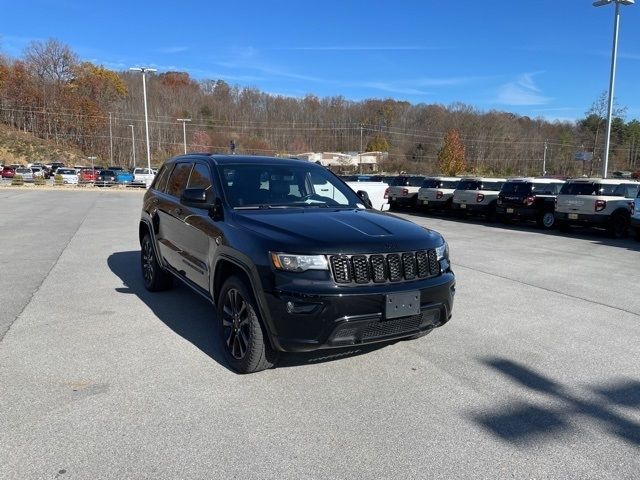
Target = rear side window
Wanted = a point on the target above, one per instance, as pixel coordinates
(626, 190)
(178, 179)
(160, 182)
(546, 188)
(415, 181)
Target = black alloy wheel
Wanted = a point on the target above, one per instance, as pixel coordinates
(155, 278)
(242, 335)
(235, 324)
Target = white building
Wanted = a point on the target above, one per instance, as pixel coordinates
(360, 162)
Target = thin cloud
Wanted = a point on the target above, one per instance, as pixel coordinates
(387, 87)
(523, 91)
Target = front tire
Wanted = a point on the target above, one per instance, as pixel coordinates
(243, 338)
(618, 226)
(155, 277)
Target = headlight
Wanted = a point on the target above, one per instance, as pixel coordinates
(442, 251)
(299, 263)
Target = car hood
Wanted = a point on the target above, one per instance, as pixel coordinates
(311, 230)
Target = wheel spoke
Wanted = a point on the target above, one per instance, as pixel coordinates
(229, 337)
(243, 341)
(227, 311)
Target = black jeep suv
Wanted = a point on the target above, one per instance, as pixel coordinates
(288, 268)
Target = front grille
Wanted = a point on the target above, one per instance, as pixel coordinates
(352, 333)
(381, 268)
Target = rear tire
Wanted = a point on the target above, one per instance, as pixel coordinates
(155, 277)
(618, 226)
(242, 336)
(546, 220)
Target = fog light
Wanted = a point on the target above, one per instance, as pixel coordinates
(290, 307)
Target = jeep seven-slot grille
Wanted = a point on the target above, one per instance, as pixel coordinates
(380, 268)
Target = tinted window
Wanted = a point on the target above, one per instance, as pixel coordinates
(469, 185)
(430, 183)
(576, 188)
(160, 182)
(398, 182)
(178, 179)
(546, 188)
(108, 173)
(517, 188)
(200, 177)
(449, 184)
(492, 186)
(415, 181)
(611, 190)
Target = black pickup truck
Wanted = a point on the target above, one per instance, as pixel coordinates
(288, 266)
(529, 199)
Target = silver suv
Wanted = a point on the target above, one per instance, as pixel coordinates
(596, 202)
(436, 193)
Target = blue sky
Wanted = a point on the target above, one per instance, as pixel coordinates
(546, 58)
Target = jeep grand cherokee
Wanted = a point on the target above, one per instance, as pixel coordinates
(289, 269)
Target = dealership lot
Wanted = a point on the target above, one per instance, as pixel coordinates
(536, 376)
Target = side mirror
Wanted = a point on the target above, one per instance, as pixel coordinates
(196, 197)
(216, 212)
(364, 196)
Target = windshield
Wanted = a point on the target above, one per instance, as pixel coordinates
(248, 186)
(23, 170)
(66, 171)
(108, 173)
(517, 188)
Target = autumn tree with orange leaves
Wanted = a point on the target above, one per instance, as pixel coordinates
(451, 155)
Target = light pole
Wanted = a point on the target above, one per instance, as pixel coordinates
(612, 76)
(93, 170)
(184, 131)
(144, 70)
(544, 160)
(133, 146)
(110, 141)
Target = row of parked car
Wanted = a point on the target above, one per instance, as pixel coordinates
(611, 204)
(99, 176)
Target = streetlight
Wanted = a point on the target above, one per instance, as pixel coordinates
(612, 76)
(184, 131)
(144, 70)
(133, 147)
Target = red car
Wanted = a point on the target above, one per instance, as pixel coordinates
(8, 172)
(88, 175)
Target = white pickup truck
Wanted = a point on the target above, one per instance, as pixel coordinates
(378, 193)
(143, 176)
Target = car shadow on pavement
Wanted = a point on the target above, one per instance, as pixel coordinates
(193, 317)
(583, 233)
(522, 422)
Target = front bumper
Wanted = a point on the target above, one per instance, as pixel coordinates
(355, 316)
(582, 218)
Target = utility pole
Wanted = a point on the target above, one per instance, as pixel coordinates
(110, 141)
(544, 160)
(360, 138)
(184, 131)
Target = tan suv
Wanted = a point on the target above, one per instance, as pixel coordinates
(596, 202)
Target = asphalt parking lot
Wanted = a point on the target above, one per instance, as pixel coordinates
(536, 376)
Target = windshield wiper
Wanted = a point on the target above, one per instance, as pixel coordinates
(261, 207)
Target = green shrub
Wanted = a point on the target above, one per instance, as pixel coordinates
(58, 181)
(17, 180)
(39, 181)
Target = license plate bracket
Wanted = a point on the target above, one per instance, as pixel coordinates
(404, 304)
